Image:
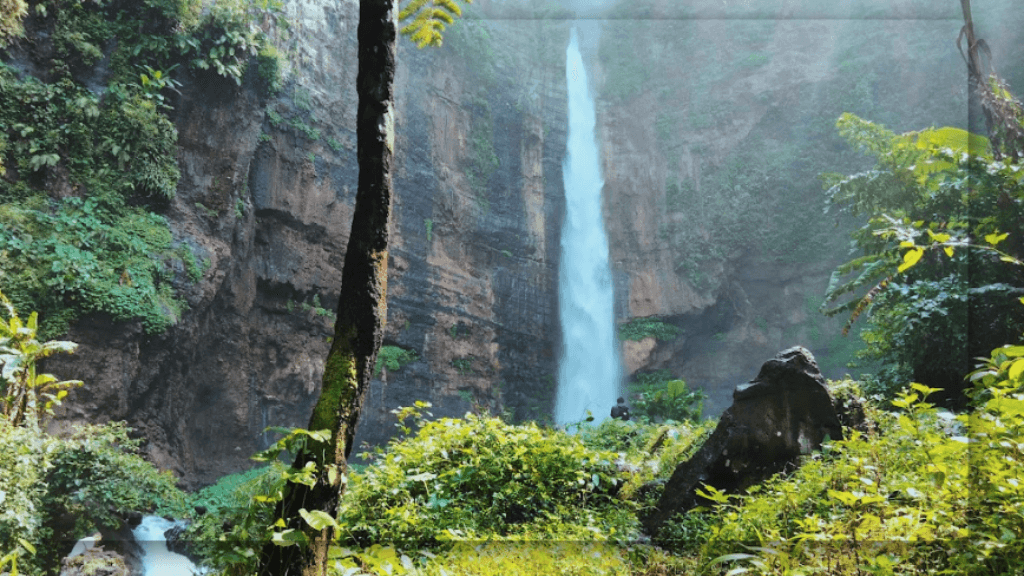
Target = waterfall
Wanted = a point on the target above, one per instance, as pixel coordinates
(156, 559)
(589, 370)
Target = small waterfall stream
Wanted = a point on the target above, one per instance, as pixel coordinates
(589, 370)
(156, 559)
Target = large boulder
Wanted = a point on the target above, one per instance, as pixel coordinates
(785, 412)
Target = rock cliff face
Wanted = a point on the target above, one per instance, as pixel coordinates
(713, 132)
(266, 197)
(715, 123)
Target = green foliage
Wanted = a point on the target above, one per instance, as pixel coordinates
(91, 474)
(927, 316)
(28, 396)
(639, 328)
(393, 358)
(464, 366)
(304, 129)
(427, 20)
(269, 63)
(79, 256)
(86, 176)
(226, 35)
(11, 14)
(274, 117)
(657, 396)
(481, 478)
(429, 225)
(472, 42)
(908, 499)
(626, 70)
(528, 559)
(483, 161)
(756, 59)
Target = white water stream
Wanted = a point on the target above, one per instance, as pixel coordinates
(589, 370)
(156, 559)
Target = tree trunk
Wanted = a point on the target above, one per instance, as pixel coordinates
(362, 307)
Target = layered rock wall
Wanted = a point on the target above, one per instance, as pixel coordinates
(266, 198)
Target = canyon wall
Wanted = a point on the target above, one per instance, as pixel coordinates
(712, 130)
(716, 122)
(266, 199)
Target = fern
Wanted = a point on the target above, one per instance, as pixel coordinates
(428, 20)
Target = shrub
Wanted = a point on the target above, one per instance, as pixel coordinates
(11, 14)
(639, 328)
(393, 358)
(657, 396)
(481, 478)
(94, 475)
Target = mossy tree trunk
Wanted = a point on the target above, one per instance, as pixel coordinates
(362, 308)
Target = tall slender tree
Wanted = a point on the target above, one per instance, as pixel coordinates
(362, 307)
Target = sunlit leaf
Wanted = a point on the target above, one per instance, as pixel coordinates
(910, 258)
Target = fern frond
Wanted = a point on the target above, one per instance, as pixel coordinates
(871, 272)
(863, 304)
(411, 9)
(428, 19)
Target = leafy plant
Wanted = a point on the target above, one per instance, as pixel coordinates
(11, 14)
(28, 396)
(464, 366)
(427, 20)
(91, 474)
(927, 316)
(93, 241)
(639, 328)
(657, 396)
(479, 477)
(393, 358)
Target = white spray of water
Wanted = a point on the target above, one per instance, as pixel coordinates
(156, 559)
(589, 371)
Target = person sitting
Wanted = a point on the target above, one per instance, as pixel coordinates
(620, 410)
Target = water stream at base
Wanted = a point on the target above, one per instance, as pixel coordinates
(156, 559)
(589, 370)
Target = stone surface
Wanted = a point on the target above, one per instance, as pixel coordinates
(473, 260)
(95, 562)
(786, 411)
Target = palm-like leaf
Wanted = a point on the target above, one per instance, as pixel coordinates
(427, 20)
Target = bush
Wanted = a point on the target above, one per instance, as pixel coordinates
(481, 478)
(94, 475)
(639, 328)
(11, 13)
(657, 397)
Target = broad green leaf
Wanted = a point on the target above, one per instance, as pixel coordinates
(27, 545)
(911, 258)
(1011, 351)
(994, 239)
(732, 557)
(317, 519)
(289, 537)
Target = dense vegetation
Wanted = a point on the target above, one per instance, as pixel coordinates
(928, 318)
(925, 492)
(54, 490)
(88, 155)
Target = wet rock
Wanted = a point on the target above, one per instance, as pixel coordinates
(134, 518)
(178, 543)
(95, 562)
(786, 411)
